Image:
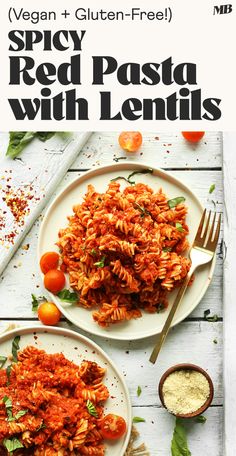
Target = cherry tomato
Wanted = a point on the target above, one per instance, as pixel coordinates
(49, 261)
(193, 136)
(113, 427)
(48, 313)
(130, 140)
(54, 280)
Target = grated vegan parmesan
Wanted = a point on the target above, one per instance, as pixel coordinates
(185, 391)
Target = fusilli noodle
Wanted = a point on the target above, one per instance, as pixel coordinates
(53, 394)
(123, 251)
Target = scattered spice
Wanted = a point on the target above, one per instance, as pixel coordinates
(18, 202)
(185, 391)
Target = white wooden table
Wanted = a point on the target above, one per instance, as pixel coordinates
(194, 340)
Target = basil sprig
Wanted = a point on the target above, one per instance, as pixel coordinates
(91, 408)
(128, 179)
(19, 139)
(3, 360)
(8, 405)
(179, 444)
(68, 296)
(15, 348)
(12, 444)
(175, 201)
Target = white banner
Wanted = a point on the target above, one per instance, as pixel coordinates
(137, 65)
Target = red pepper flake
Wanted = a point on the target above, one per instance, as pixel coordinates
(17, 200)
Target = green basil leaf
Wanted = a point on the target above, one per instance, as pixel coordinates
(143, 210)
(120, 177)
(167, 249)
(212, 188)
(179, 444)
(201, 419)
(20, 414)
(18, 140)
(138, 419)
(45, 135)
(42, 426)
(8, 405)
(142, 171)
(91, 409)
(3, 360)
(15, 348)
(179, 227)
(175, 201)
(12, 444)
(139, 391)
(101, 263)
(8, 372)
(36, 301)
(67, 296)
(132, 182)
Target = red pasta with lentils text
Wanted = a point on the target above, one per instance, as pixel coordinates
(123, 251)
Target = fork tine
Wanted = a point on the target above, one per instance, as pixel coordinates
(216, 237)
(199, 231)
(210, 237)
(206, 227)
(212, 243)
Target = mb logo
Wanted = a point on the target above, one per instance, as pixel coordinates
(223, 9)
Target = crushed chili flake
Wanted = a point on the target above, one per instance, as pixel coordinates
(17, 201)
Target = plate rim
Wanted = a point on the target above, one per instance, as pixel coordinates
(6, 335)
(98, 171)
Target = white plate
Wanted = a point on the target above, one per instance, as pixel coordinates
(76, 348)
(56, 218)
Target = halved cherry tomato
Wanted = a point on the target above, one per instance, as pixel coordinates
(113, 427)
(54, 280)
(48, 313)
(130, 140)
(193, 136)
(49, 261)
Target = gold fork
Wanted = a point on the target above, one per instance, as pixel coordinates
(202, 252)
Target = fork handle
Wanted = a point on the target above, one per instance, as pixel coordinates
(162, 336)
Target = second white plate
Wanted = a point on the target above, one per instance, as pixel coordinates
(56, 218)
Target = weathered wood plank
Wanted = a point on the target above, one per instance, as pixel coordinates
(28, 183)
(157, 432)
(230, 293)
(161, 149)
(132, 357)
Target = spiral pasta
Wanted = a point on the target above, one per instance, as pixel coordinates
(123, 251)
(52, 394)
